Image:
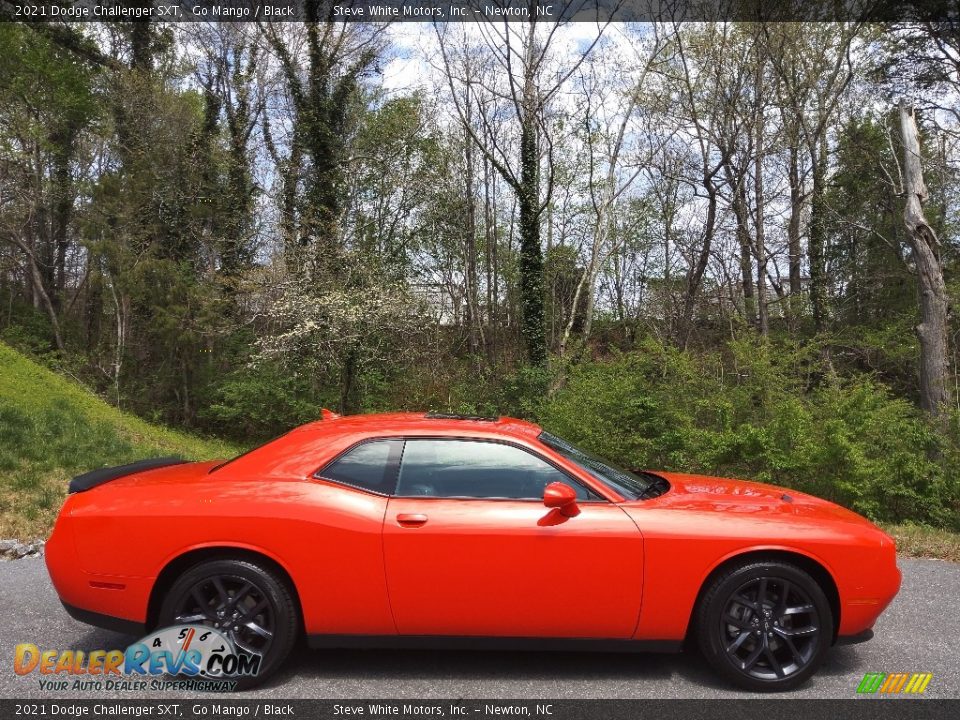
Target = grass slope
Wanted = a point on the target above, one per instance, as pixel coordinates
(52, 429)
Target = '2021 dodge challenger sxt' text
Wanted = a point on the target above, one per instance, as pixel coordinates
(439, 531)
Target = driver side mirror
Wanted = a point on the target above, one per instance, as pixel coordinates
(561, 497)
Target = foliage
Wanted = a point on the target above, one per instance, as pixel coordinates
(867, 242)
(256, 404)
(750, 412)
(339, 329)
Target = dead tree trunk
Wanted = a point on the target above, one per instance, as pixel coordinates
(934, 306)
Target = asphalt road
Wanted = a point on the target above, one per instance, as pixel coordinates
(917, 633)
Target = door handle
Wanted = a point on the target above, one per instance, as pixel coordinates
(411, 519)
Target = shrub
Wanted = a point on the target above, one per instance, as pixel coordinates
(259, 403)
(772, 416)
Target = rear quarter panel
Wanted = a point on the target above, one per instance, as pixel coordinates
(326, 537)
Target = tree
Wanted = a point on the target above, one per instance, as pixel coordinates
(700, 77)
(231, 78)
(530, 79)
(614, 162)
(934, 306)
(323, 89)
(868, 261)
(48, 102)
(814, 65)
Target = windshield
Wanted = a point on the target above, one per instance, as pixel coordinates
(629, 484)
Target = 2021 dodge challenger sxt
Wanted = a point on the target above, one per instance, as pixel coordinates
(438, 530)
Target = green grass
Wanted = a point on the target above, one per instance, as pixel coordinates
(52, 428)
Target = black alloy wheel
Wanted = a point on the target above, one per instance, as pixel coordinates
(766, 626)
(245, 601)
(233, 605)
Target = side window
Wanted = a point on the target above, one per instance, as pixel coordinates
(476, 469)
(369, 466)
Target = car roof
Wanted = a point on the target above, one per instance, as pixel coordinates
(302, 449)
(421, 423)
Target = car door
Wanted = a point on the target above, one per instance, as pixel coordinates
(470, 548)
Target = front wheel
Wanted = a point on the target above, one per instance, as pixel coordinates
(248, 603)
(765, 626)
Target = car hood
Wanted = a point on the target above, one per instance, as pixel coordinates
(725, 494)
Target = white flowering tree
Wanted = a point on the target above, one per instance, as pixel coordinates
(339, 329)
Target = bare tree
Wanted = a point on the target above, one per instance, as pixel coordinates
(530, 79)
(934, 304)
(613, 166)
(701, 82)
(814, 65)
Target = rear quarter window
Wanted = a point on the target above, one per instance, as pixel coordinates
(371, 465)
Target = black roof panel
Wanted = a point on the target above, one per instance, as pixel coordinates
(460, 416)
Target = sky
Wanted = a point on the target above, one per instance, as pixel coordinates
(413, 43)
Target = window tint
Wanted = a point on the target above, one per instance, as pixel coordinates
(366, 466)
(463, 468)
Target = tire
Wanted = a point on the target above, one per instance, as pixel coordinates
(765, 626)
(265, 601)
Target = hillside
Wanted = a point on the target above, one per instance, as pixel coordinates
(51, 429)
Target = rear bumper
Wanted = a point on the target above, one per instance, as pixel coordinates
(107, 622)
(120, 602)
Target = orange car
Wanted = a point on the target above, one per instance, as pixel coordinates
(441, 530)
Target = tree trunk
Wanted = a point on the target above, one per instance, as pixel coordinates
(93, 302)
(818, 270)
(934, 306)
(746, 256)
(696, 271)
(763, 314)
(793, 234)
(62, 209)
(490, 247)
(349, 389)
(141, 41)
(289, 171)
(470, 249)
(531, 256)
(585, 287)
(42, 298)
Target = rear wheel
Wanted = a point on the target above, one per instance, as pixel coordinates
(245, 601)
(765, 626)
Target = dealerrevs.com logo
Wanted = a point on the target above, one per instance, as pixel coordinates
(894, 683)
(203, 659)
